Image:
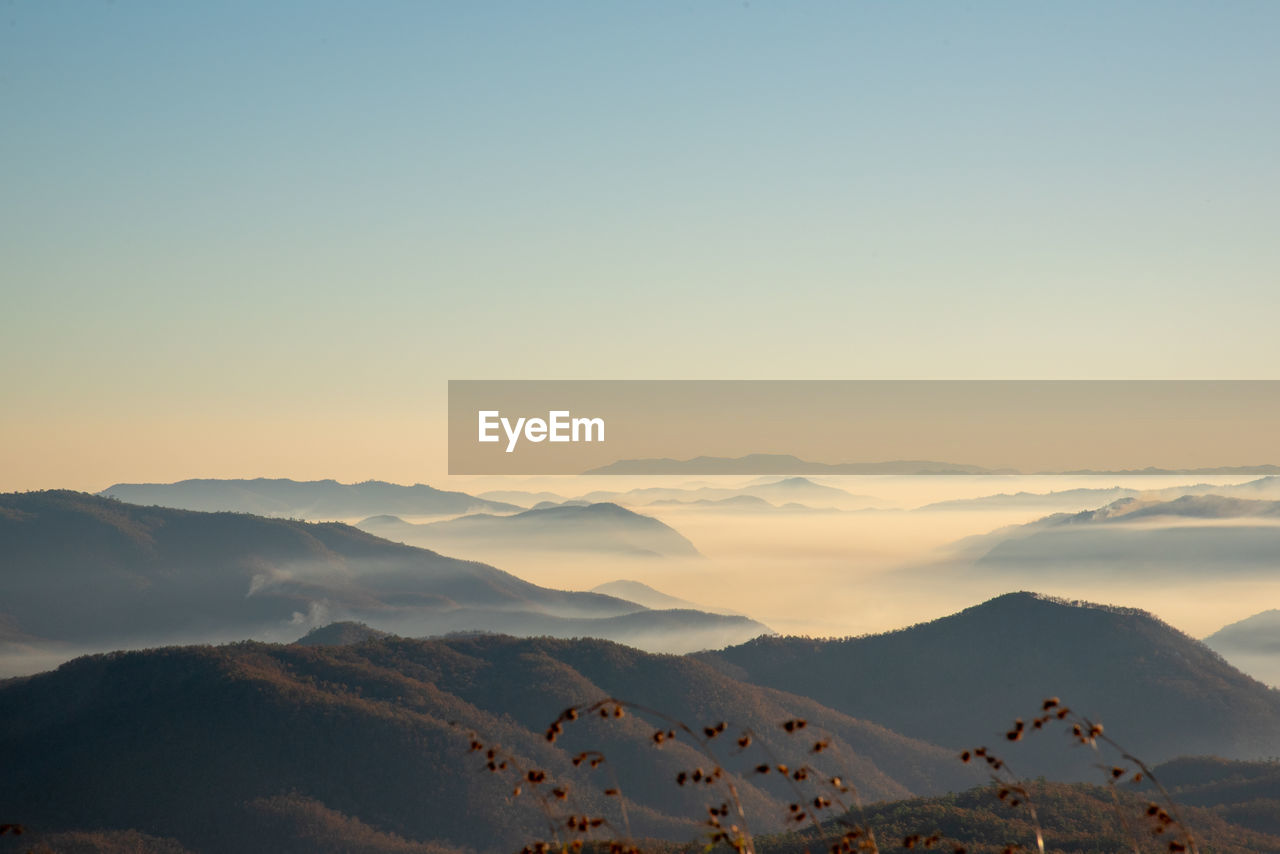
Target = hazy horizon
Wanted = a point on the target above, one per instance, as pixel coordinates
(271, 238)
(271, 266)
(875, 556)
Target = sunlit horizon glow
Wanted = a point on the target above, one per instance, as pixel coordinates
(257, 239)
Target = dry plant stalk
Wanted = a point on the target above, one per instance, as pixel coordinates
(830, 803)
(1163, 819)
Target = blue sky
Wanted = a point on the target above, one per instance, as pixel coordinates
(268, 231)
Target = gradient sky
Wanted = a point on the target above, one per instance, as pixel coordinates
(248, 238)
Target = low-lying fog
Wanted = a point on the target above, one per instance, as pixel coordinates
(836, 556)
(870, 570)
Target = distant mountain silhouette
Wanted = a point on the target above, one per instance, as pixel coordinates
(784, 464)
(797, 489)
(788, 464)
(960, 680)
(1076, 500)
(1253, 645)
(603, 527)
(1259, 633)
(340, 634)
(1263, 487)
(103, 573)
(255, 747)
(314, 499)
(1209, 470)
(521, 497)
(1186, 506)
(643, 594)
(745, 502)
(1133, 536)
(792, 490)
(671, 630)
(1066, 500)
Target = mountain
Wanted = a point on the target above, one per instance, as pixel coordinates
(1136, 537)
(799, 489)
(1066, 500)
(784, 464)
(521, 497)
(1077, 500)
(643, 594)
(1186, 506)
(1259, 633)
(314, 499)
(736, 502)
(1264, 469)
(787, 464)
(960, 680)
(341, 634)
(1247, 793)
(85, 568)
(744, 504)
(671, 630)
(94, 842)
(280, 823)
(271, 748)
(571, 502)
(1263, 487)
(605, 527)
(102, 573)
(792, 490)
(1074, 819)
(1252, 644)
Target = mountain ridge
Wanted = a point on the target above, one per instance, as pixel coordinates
(314, 499)
(151, 575)
(377, 733)
(603, 527)
(972, 671)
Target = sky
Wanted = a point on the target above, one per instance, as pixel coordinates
(248, 238)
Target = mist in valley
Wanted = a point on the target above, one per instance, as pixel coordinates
(815, 556)
(899, 558)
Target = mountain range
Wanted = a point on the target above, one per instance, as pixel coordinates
(784, 464)
(1259, 633)
(1252, 644)
(960, 681)
(1089, 498)
(1247, 793)
(354, 741)
(1065, 500)
(96, 572)
(770, 491)
(1135, 537)
(234, 748)
(603, 528)
(314, 499)
(787, 464)
(635, 591)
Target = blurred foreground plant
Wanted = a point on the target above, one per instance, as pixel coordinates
(828, 805)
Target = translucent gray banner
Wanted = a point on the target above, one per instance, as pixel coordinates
(770, 427)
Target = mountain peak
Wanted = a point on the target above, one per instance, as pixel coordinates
(341, 633)
(1004, 656)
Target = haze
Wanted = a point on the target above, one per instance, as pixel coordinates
(248, 241)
